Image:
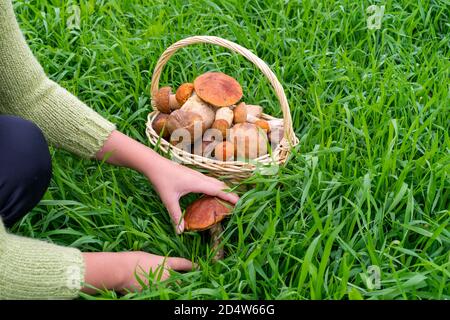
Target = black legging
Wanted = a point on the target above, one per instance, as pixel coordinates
(25, 167)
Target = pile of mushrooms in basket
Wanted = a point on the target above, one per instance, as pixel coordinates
(208, 118)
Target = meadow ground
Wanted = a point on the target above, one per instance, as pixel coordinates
(361, 210)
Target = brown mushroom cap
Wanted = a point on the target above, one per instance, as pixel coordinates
(218, 89)
(162, 99)
(205, 212)
(184, 92)
(180, 119)
(263, 124)
(159, 124)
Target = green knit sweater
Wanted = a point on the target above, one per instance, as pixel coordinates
(31, 268)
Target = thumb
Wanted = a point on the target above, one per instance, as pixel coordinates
(176, 215)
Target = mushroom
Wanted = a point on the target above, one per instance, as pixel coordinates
(224, 120)
(224, 151)
(159, 124)
(206, 213)
(247, 113)
(218, 89)
(196, 105)
(276, 135)
(184, 92)
(269, 125)
(165, 101)
(249, 141)
(262, 124)
(184, 120)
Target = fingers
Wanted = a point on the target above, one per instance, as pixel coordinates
(179, 264)
(218, 191)
(175, 213)
(216, 188)
(227, 196)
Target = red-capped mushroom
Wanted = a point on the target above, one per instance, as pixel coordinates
(218, 89)
(206, 213)
(184, 92)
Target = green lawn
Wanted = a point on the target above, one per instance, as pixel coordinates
(364, 196)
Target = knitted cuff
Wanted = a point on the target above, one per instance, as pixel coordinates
(33, 269)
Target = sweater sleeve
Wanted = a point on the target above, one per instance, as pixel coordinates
(27, 92)
(33, 269)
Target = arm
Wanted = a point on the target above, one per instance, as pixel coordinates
(34, 269)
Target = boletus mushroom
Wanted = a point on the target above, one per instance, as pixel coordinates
(165, 101)
(180, 119)
(184, 92)
(269, 125)
(159, 125)
(224, 151)
(247, 113)
(223, 121)
(250, 141)
(196, 105)
(206, 213)
(218, 89)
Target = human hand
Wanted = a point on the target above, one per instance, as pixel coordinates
(172, 181)
(118, 270)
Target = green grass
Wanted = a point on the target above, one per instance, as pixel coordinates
(367, 187)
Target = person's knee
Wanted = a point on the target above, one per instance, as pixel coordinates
(24, 147)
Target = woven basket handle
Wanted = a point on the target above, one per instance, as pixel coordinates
(279, 91)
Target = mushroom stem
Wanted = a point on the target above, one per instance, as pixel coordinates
(247, 113)
(173, 103)
(224, 120)
(196, 105)
(224, 151)
(216, 238)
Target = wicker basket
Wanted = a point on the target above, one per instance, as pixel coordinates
(229, 170)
